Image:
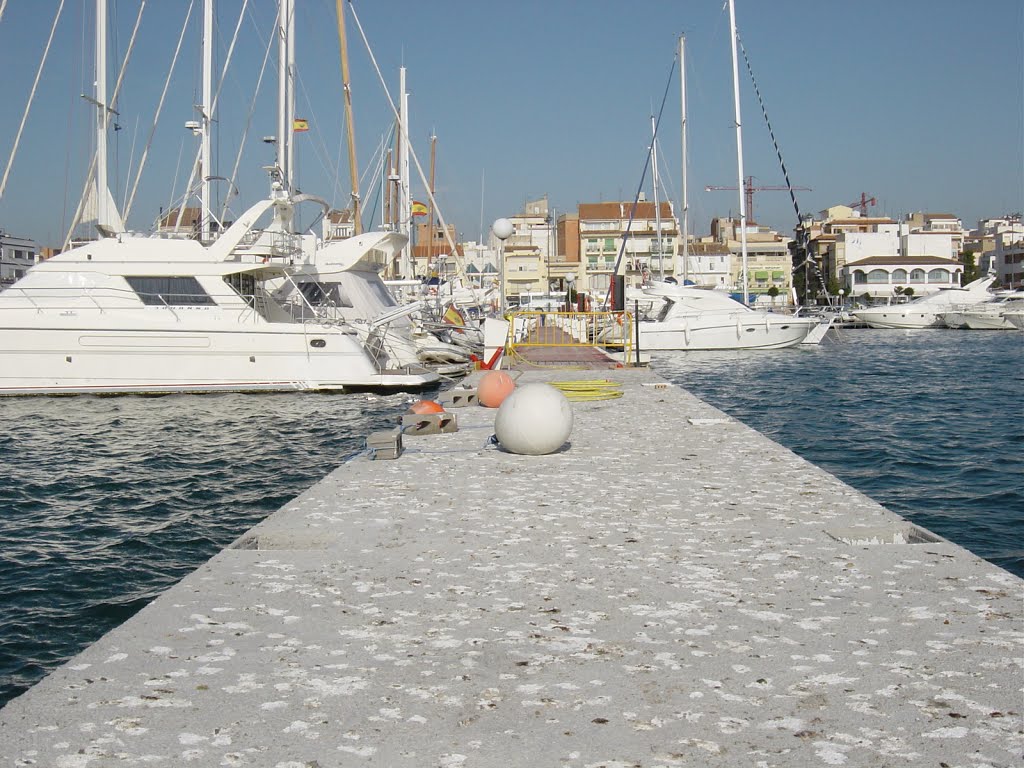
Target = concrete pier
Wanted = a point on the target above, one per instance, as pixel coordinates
(672, 589)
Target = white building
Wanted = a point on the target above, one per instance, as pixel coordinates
(883, 277)
(17, 255)
(998, 246)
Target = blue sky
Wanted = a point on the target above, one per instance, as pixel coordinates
(918, 103)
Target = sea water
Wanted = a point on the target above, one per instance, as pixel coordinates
(929, 423)
(107, 502)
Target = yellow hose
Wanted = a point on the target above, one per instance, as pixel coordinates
(592, 389)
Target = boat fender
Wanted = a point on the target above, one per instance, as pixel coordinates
(493, 388)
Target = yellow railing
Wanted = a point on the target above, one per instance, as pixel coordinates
(605, 330)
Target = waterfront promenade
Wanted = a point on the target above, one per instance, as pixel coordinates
(672, 589)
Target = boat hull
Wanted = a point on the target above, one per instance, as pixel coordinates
(705, 333)
(987, 322)
(89, 360)
(900, 320)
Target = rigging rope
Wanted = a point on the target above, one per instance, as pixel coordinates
(643, 176)
(31, 96)
(156, 117)
(460, 266)
(801, 232)
(113, 100)
(764, 111)
(245, 132)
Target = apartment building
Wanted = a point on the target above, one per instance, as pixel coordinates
(998, 246)
(769, 263)
(874, 256)
(527, 253)
(17, 255)
(647, 238)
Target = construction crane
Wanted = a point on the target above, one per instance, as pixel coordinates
(863, 203)
(749, 189)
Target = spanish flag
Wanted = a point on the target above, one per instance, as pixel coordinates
(419, 209)
(299, 125)
(452, 316)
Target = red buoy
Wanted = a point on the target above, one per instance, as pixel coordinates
(425, 406)
(493, 388)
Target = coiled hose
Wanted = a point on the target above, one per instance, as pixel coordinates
(592, 389)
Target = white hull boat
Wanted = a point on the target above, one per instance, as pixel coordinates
(1015, 318)
(146, 315)
(694, 319)
(927, 311)
(991, 315)
(340, 282)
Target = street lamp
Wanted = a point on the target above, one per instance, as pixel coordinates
(502, 229)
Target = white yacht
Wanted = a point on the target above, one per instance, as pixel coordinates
(1015, 317)
(135, 314)
(926, 312)
(702, 319)
(991, 315)
(340, 280)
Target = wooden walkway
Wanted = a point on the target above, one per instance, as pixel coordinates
(553, 347)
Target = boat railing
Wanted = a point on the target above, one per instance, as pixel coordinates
(540, 329)
(112, 300)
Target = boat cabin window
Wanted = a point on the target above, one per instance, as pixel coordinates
(244, 285)
(325, 294)
(170, 291)
(666, 307)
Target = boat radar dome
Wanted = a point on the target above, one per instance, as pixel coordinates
(534, 420)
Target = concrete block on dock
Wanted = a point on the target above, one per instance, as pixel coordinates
(386, 444)
(458, 398)
(429, 423)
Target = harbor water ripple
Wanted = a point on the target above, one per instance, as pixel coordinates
(929, 423)
(105, 502)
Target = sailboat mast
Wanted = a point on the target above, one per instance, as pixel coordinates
(685, 201)
(285, 102)
(350, 127)
(657, 206)
(404, 203)
(430, 205)
(102, 115)
(205, 124)
(739, 147)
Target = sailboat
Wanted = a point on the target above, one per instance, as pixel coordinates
(128, 313)
(690, 318)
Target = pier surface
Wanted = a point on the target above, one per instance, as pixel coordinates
(671, 589)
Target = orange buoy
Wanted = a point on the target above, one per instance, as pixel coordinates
(493, 388)
(426, 406)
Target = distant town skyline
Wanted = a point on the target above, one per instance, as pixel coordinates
(917, 104)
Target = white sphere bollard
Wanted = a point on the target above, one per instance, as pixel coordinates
(534, 420)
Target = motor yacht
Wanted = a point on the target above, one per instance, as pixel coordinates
(926, 312)
(991, 315)
(340, 280)
(144, 314)
(691, 318)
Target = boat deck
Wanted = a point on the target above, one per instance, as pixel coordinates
(671, 588)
